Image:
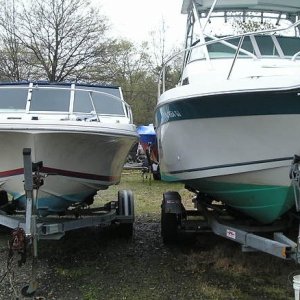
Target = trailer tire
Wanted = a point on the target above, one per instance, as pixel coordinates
(125, 203)
(171, 213)
(169, 227)
(126, 209)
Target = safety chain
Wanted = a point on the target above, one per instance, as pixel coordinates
(16, 244)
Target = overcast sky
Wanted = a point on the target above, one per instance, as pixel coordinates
(134, 19)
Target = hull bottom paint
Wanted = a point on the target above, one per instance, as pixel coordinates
(265, 195)
(265, 203)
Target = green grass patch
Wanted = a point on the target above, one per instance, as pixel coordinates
(147, 192)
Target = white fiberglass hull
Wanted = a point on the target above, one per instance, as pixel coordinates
(202, 148)
(80, 160)
(234, 150)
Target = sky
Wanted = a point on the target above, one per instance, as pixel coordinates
(135, 19)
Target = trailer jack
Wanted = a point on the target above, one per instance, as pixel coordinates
(29, 227)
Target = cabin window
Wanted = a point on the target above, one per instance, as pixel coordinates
(104, 104)
(221, 50)
(13, 99)
(50, 99)
(266, 45)
(289, 45)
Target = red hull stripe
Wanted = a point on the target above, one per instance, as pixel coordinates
(63, 173)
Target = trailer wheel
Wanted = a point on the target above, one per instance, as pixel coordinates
(171, 214)
(169, 227)
(126, 211)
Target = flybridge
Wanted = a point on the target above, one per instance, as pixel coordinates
(291, 7)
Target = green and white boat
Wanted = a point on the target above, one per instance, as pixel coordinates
(229, 129)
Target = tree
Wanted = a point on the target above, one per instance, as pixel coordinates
(161, 52)
(250, 25)
(130, 67)
(64, 36)
(66, 40)
(13, 56)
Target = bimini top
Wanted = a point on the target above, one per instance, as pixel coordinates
(291, 7)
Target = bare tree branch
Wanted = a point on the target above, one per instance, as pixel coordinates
(63, 35)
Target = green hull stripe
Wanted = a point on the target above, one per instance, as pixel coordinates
(229, 105)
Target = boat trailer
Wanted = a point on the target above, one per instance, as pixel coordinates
(212, 216)
(28, 227)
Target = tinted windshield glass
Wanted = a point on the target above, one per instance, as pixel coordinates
(289, 46)
(220, 48)
(56, 99)
(13, 98)
(104, 103)
(266, 45)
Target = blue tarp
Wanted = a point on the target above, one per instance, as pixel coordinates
(149, 129)
(147, 134)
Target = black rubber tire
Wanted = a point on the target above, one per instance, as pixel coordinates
(126, 208)
(169, 228)
(125, 199)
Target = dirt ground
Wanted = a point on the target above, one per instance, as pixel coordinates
(99, 264)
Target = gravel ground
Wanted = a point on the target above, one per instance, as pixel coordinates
(99, 264)
(105, 244)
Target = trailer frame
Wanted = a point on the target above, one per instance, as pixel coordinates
(177, 221)
(28, 227)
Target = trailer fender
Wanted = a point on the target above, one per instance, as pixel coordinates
(171, 203)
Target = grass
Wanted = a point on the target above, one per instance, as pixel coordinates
(147, 192)
(92, 264)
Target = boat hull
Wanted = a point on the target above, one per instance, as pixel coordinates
(264, 202)
(242, 160)
(77, 163)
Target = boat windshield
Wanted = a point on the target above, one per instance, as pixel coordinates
(259, 44)
(106, 101)
(50, 98)
(102, 100)
(13, 99)
(63, 99)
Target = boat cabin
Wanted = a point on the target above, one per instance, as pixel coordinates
(74, 102)
(214, 32)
